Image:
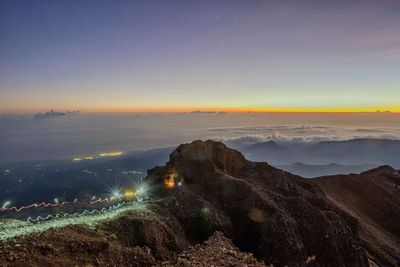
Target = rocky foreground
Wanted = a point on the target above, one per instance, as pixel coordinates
(212, 207)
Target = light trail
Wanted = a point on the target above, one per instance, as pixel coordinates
(35, 205)
(133, 200)
(91, 212)
(44, 204)
(13, 228)
(115, 195)
(6, 204)
(112, 207)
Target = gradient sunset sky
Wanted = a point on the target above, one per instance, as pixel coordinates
(108, 55)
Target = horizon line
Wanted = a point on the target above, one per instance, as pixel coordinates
(203, 110)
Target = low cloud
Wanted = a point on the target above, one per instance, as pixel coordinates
(53, 114)
(207, 112)
(238, 137)
(203, 112)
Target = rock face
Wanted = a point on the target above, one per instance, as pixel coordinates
(283, 219)
(210, 194)
(280, 217)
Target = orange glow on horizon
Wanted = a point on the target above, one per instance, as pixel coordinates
(245, 110)
(216, 110)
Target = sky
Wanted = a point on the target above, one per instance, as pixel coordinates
(253, 55)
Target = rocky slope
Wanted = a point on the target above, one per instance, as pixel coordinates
(134, 239)
(210, 192)
(373, 198)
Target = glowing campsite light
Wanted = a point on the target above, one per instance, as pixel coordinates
(170, 178)
(116, 193)
(141, 189)
(128, 193)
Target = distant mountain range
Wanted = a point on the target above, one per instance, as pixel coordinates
(350, 152)
(311, 170)
(323, 158)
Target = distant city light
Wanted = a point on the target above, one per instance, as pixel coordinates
(110, 154)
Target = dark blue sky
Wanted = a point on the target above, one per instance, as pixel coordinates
(143, 55)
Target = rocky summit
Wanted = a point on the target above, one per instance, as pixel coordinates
(211, 206)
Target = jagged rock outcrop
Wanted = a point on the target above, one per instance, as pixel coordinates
(283, 219)
(216, 251)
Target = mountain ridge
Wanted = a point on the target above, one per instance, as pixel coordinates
(206, 187)
(315, 170)
(346, 152)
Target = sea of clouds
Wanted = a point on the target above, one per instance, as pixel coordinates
(30, 137)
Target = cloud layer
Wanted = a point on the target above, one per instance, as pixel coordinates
(298, 134)
(52, 114)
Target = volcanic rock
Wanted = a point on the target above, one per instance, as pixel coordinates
(243, 213)
(282, 218)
